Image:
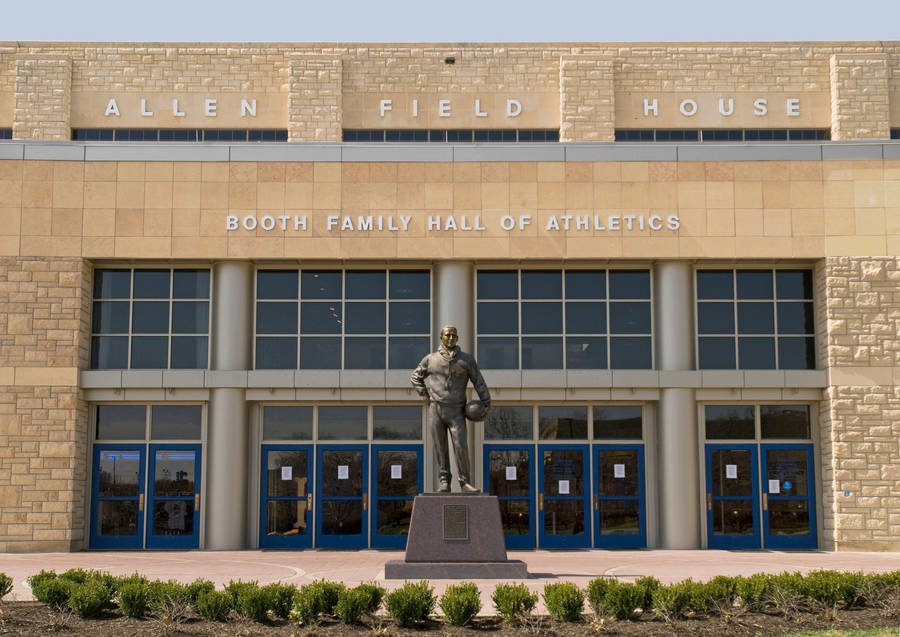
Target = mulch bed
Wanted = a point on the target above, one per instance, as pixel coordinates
(33, 619)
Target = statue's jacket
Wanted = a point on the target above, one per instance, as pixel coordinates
(445, 374)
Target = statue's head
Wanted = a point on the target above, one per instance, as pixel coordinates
(449, 336)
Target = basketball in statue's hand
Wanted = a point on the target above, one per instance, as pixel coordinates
(476, 411)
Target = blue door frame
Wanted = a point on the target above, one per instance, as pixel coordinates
(342, 503)
(179, 519)
(286, 500)
(625, 539)
(785, 506)
(386, 529)
(553, 481)
(518, 505)
(130, 506)
(717, 505)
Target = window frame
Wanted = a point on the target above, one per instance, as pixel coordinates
(315, 440)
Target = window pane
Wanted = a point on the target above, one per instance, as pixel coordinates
(342, 423)
(715, 318)
(497, 284)
(542, 353)
(276, 318)
(190, 352)
(717, 353)
(542, 285)
(320, 353)
(410, 285)
(562, 423)
(110, 317)
(541, 318)
(364, 353)
(109, 352)
(406, 352)
(320, 318)
(756, 318)
(630, 353)
(321, 284)
(629, 284)
(715, 284)
(151, 284)
(397, 422)
(796, 352)
(287, 422)
(784, 421)
(365, 285)
(498, 318)
(585, 352)
(754, 284)
(618, 422)
(585, 284)
(498, 352)
(365, 318)
(150, 317)
(190, 284)
(112, 284)
(756, 353)
(149, 352)
(121, 422)
(796, 318)
(509, 423)
(586, 318)
(794, 284)
(409, 318)
(276, 353)
(175, 422)
(190, 317)
(276, 284)
(730, 422)
(629, 318)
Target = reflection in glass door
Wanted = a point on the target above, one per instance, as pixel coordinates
(117, 502)
(619, 497)
(562, 496)
(509, 475)
(342, 497)
(286, 497)
(789, 519)
(174, 497)
(732, 508)
(396, 481)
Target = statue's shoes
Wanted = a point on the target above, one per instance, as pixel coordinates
(465, 487)
(444, 488)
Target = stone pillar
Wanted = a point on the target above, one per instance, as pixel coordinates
(42, 97)
(314, 101)
(587, 106)
(679, 457)
(860, 96)
(228, 420)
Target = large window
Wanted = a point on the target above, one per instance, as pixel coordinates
(564, 319)
(607, 422)
(342, 422)
(333, 319)
(5, 133)
(755, 319)
(150, 319)
(722, 134)
(749, 422)
(179, 135)
(451, 136)
(148, 422)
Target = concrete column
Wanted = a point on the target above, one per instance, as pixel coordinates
(679, 458)
(228, 423)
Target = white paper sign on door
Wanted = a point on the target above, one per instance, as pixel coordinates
(396, 471)
(510, 473)
(563, 487)
(343, 472)
(774, 486)
(618, 471)
(731, 471)
(287, 473)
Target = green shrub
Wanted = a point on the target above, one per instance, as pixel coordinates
(564, 601)
(162, 595)
(76, 575)
(698, 595)
(90, 599)
(281, 598)
(133, 598)
(790, 583)
(374, 596)
(37, 580)
(351, 605)
(596, 594)
(513, 601)
(830, 587)
(721, 589)
(214, 605)
(753, 590)
(410, 604)
(460, 603)
(6, 584)
(49, 589)
(623, 599)
(306, 606)
(197, 588)
(648, 584)
(234, 590)
(254, 603)
(670, 602)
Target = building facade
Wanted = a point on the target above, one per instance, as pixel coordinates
(678, 266)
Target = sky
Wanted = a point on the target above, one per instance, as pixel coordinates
(449, 20)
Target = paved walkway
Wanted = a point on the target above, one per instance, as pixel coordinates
(353, 567)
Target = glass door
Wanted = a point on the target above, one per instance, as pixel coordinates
(619, 497)
(117, 502)
(286, 497)
(732, 497)
(174, 497)
(789, 518)
(562, 496)
(509, 475)
(342, 497)
(396, 481)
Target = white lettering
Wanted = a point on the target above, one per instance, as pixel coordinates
(723, 110)
(386, 106)
(209, 107)
(450, 224)
(552, 223)
(462, 224)
(434, 223)
(391, 226)
(478, 225)
(478, 111)
(347, 224)
(404, 221)
(673, 222)
(332, 221)
(248, 108)
(688, 107)
(284, 220)
(415, 108)
(524, 220)
(513, 108)
(249, 223)
(651, 106)
(760, 106)
(566, 219)
(597, 224)
(144, 111)
(443, 108)
(793, 107)
(175, 111)
(507, 222)
(656, 222)
(364, 223)
(112, 108)
(629, 221)
(231, 222)
(300, 223)
(380, 223)
(641, 220)
(614, 222)
(268, 223)
(581, 223)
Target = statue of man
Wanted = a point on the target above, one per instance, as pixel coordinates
(441, 378)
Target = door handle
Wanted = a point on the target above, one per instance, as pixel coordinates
(596, 502)
(196, 501)
(540, 501)
(365, 501)
(709, 501)
(141, 502)
(765, 501)
(309, 501)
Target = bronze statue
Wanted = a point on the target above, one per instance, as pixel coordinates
(441, 378)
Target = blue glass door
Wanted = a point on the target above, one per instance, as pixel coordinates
(619, 519)
(732, 497)
(117, 497)
(285, 516)
(509, 475)
(396, 481)
(563, 496)
(789, 512)
(342, 501)
(173, 500)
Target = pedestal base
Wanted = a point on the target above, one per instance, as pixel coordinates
(510, 569)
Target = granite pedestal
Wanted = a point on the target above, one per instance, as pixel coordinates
(455, 536)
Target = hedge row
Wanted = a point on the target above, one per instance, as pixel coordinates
(93, 593)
